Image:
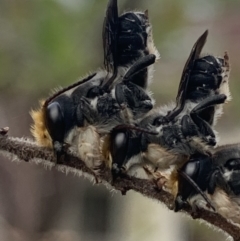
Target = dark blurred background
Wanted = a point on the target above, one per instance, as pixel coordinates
(48, 43)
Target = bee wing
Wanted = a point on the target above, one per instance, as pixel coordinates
(196, 50)
(110, 36)
(183, 86)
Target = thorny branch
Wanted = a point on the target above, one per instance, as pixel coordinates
(27, 150)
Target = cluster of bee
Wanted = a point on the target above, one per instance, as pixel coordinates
(109, 118)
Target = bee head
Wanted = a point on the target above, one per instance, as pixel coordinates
(193, 178)
(58, 115)
(126, 141)
(60, 119)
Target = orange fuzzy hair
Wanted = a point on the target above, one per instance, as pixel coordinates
(106, 150)
(38, 129)
(172, 183)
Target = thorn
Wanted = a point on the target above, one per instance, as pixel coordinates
(4, 131)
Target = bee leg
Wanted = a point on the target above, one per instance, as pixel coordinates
(89, 145)
(116, 171)
(119, 172)
(138, 73)
(205, 128)
(188, 127)
(138, 99)
(120, 94)
(107, 107)
(155, 176)
(133, 97)
(212, 182)
(58, 152)
(126, 113)
(88, 111)
(210, 101)
(161, 182)
(139, 66)
(181, 204)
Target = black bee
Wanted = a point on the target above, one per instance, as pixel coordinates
(69, 118)
(202, 77)
(183, 135)
(193, 179)
(171, 142)
(209, 76)
(127, 42)
(212, 182)
(183, 129)
(58, 114)
(96, 100)
(203, 89)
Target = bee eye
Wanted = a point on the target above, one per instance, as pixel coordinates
(120, 140)
(119, 147)
(191, 168)
(55, 121)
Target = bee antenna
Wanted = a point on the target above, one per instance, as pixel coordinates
(197, 188)
(131, 127)
(82, 81)
(138, 66)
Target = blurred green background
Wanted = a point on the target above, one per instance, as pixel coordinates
(50, 43)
